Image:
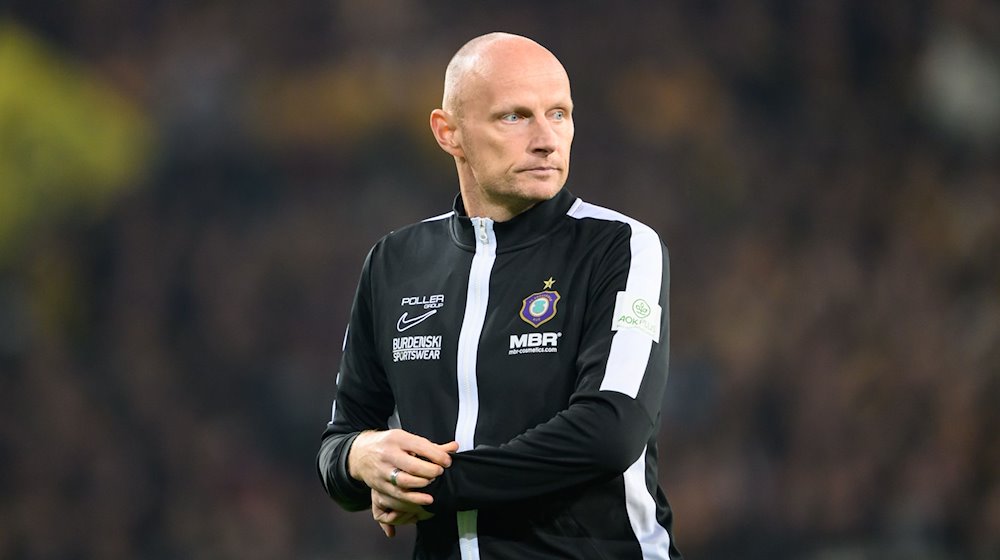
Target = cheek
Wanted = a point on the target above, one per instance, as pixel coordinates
(486, 144)
(503, 152)
(570, 131)
(489, 157)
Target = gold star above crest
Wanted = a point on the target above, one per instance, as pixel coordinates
(548, 283)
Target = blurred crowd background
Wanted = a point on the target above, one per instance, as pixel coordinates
(188, 190)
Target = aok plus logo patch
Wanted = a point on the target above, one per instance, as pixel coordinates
(636, 313)
(540, 307)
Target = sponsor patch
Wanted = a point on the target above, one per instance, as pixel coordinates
(409, 319)
(534, 343)
(636, 313)
(409, 348)
(435, 301)
(406, 322)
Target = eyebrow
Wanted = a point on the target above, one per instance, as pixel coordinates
(508, 109)
(522, 109)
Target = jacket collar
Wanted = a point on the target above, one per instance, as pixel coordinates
(522, 230)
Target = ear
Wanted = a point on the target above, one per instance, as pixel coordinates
(445, 129)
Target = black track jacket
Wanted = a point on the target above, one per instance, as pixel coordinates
(540, 344)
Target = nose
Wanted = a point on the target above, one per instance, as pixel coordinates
(544, 139)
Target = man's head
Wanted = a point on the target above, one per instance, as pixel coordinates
(506, 117)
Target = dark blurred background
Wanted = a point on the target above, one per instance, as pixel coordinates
(188, 190)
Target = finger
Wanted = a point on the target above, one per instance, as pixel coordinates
(393, 517)
(407, 518)
(386, 509)
(431, 452)
(379, 511)
(405, 501)
(418, 466)
(409, 501)
(390, 519)
(422, 447)
(400, 518)
(401, 491)
(407, 481)
(401, 498)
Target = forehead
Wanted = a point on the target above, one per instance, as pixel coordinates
(520, 79)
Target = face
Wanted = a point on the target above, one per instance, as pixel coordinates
(515, 130)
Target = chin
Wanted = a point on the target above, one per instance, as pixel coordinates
(540, 192)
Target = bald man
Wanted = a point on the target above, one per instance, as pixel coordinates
(505, 363)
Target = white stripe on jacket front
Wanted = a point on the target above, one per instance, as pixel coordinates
(468, 352)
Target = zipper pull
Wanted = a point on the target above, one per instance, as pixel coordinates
(483, 237)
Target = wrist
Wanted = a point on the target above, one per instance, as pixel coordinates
(355, 454)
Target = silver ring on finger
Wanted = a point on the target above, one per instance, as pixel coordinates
(393, 475)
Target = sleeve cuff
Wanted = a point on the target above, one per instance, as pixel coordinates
(349, 483)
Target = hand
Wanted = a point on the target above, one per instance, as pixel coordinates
(374, 455)
(389, 512)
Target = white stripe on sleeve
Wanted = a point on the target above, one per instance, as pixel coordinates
(630, 349)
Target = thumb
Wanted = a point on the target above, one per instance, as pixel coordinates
(389, 530)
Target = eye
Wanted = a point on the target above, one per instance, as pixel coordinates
(559, 115)
(511, 118)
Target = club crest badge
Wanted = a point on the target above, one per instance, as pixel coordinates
(540, 307)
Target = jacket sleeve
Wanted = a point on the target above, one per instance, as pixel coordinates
(614, 410)
(363, 401)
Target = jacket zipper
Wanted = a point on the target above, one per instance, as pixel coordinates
(468, 351)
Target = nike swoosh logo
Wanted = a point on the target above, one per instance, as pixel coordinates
(403, 323)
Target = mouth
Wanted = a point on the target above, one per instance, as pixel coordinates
(540, 169)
